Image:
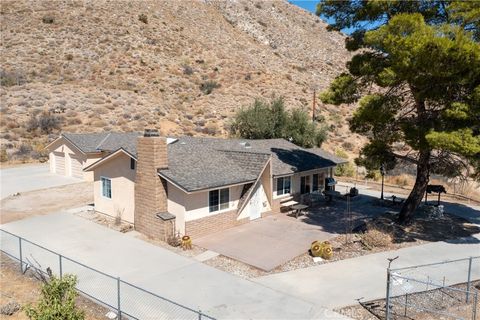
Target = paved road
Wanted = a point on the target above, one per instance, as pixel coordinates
(181, 279)
(30, 177)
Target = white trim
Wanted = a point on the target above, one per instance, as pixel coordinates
(275, 190)
(219, 210)
(247, 199)
(101, 188)
(69, 142)
(108, 157)
(202, 190)
(306, 172)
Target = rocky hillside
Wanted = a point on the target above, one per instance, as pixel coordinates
(183, 67)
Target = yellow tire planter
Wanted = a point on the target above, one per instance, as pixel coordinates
(322, 249)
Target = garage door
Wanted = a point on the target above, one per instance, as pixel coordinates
(76, 167)
(59, 163)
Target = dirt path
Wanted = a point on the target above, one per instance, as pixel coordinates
(45, 201)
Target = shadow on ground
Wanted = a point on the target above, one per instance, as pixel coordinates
(458, 224)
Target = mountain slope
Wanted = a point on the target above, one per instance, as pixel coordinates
(103, 68)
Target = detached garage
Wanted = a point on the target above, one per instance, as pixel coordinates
(72, 152)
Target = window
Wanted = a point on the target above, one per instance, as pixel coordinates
(283, 186)
(132, 163)
(305, 184)
(106, 188)
(219, 199)
(315, 182)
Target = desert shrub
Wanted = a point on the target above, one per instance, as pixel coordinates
(373, 174)
(98, 123)
(48, 19)
(347, 145)
(211, 128)
(39, 150)
(143, 18)
(187, 70)
(31, 124)
(100, 110)
(346, 169)
(12, 78)
(69, 56)
(207, 87)
(263, 24)
(375, 237)
(3, 155)
(23, 150)
(12, 124)
(402, 180)
(47, 122)
(57, 300)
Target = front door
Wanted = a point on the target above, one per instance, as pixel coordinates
(255, 203)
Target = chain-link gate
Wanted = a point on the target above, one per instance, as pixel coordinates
(444, 290)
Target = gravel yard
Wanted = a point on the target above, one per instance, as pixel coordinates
(445, 301)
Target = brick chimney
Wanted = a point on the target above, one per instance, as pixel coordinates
(150, 189)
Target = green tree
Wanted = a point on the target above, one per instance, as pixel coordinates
(345, 169)
(57, 300)
(271, 120)
(416, 76)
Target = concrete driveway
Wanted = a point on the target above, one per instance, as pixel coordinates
(270, 242)
(30, 177)
(181, 279)
(265, 243)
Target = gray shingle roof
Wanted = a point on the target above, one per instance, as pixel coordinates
(194, 167)
(104, 141)
(196, 163)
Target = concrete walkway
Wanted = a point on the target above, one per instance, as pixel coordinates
(30, 177)
(339, 284)
(181, 279)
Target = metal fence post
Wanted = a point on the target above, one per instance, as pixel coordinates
(119, 310)
(199, 314)
(60, 271)
(469, 277)
(387, 304)
(20, 252)
(475, 301)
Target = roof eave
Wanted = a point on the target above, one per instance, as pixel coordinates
(189, 191)
(108, 157)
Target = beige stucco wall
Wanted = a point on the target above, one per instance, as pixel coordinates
(295, 181)
(263, 186)
(90, 159)
(175, 204)
(117, 169)
(196, 204)
(64, 147)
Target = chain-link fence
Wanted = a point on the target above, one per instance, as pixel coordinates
(127, 300)
(445, 290)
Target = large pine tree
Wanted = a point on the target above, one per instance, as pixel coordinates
(416, 78)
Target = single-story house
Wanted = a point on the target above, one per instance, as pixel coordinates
(196, 185)
(70, 153)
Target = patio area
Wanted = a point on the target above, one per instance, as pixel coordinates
(272, 241)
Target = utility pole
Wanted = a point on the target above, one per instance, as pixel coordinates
(314, 103)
